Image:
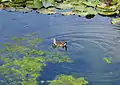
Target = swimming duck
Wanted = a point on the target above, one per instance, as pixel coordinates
(59, 44)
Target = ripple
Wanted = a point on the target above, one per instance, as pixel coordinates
(93, 67)
(102, 40)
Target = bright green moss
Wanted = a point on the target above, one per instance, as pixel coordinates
(108, 60)
(23, 60)
(68, 80)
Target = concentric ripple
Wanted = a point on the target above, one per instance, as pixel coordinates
(88, 49)
(89, 42)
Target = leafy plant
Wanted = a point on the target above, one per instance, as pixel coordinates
(108, 60)
(68, 80)
(23, 60)
(115, 20)
(78, 7)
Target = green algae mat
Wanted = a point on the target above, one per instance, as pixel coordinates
(23, 61)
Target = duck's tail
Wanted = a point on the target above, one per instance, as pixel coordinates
(65, 46)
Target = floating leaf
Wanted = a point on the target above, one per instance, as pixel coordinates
(5, 0)
(92, 3)
(25, 10)
(106, 8)
(108, 60)
(38, 4)
(115, 20)
(64, 6)
(81, 7)
(52, 1)
(47, 11)
(67, 13)
(108, 13)
(47, 4)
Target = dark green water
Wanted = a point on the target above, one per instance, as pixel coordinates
(89, 41)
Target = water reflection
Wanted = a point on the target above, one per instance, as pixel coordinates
(88, 42)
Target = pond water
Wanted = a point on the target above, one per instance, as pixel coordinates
(88, 42)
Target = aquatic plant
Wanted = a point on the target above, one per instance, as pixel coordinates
(115, 20)
(68, 80)
(77, 7)
(108, 60)
(23, 60)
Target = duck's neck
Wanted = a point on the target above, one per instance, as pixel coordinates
(54, 41)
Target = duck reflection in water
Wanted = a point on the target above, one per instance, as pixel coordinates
(59, 44)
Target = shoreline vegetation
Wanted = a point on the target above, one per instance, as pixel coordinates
(88, 8)
(23, 60)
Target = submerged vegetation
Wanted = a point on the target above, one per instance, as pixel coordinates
(68, 80)
(75, 7)
(107, 60)
(23, 60)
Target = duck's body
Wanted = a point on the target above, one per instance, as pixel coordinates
(59, 43)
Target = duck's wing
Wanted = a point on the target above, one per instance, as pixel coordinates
(59, 43)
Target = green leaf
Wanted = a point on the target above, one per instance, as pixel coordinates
(25, 10)
(52, 1)
(67, 13)
(108, 13)
(64, 6)
(115, 20)
(5, 0)
(38, 4)
(108, 60)
(106, 8)
(47, 11)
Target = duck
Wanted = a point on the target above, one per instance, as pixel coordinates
(59, 44)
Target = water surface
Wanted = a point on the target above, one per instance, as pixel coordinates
(89, 41)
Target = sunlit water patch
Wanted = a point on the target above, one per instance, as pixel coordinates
(88, 42)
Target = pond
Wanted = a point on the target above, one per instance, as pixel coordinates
(89, 41)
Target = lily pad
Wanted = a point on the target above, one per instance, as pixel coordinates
(67, 13)
(106, 8)
(79, 7)
(108, 12)
(64, 6)
(47, 11)
(47, 4)
(38, 4)
(91, 3)
(51, 1)
(6, 0)
(115, 20)
(29, 4)
(25, 10)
